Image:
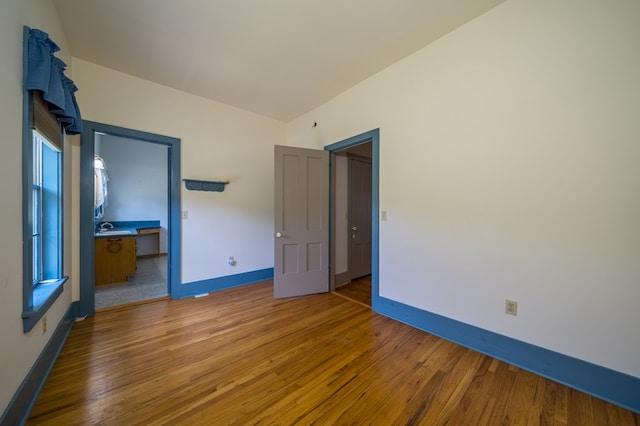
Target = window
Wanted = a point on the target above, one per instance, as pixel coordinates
(49, 110)
(43, 276)
(46, 223)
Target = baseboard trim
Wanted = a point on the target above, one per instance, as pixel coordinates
(610, 385)
(222, 283)
(17, 412)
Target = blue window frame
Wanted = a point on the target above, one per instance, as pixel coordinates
(43, 277)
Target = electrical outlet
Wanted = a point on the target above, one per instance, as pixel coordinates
(44, 324)
(231, 261)
(511, 307)
(185, 214)
(383, 215)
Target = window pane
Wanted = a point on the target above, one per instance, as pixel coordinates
(51, 213)
(47, 211)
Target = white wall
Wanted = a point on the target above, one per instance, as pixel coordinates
(138, 185)
(217, 141)
(20, 350)
(509, 169)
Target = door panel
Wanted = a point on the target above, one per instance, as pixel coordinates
(359, 217)
(301, 237)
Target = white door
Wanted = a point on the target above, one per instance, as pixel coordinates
(301, 233)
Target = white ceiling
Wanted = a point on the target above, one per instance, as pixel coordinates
(278, 58)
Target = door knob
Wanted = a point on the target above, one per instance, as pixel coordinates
(278, 235)
(355, 228)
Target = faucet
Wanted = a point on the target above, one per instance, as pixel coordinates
(106, 225)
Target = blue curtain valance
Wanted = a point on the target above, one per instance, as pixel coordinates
(45, 72)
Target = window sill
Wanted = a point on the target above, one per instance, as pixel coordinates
(43, 297)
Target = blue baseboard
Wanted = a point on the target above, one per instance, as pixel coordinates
(221, 283)
(25, 397)
(610, 385)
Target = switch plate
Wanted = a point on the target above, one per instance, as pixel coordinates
(185, 214)
(383, 215)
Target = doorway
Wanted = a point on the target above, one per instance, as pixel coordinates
(355, 275)
(86, 305)
(352, 214)
(134, 194)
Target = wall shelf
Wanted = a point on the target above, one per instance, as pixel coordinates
(205, 185)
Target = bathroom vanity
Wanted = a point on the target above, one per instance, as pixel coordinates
(115, 258)
(115, 249)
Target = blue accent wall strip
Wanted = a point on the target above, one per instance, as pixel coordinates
(612, 386)
(221, 283)
(25, 397)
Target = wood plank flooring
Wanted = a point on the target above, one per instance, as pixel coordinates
(241, 357)
(358, 290)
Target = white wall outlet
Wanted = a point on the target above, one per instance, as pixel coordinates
(511, 307)
(232, 261)
(185, 214)
(383, 215)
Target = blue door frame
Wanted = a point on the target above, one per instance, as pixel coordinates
(372, 136)
(86, 305)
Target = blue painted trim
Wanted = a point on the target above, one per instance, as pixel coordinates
(221, 283)
(25, 397)
(609, 385)
(44, 295)
(372, 136)
(87, 223)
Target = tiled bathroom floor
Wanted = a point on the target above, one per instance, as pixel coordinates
(149, 282)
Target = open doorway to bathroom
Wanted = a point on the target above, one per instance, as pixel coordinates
(131, 194)
(156, 247)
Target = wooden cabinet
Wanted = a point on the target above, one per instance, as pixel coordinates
(115, 259)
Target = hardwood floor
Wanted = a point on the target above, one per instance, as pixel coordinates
(241, 357)
(358, 290)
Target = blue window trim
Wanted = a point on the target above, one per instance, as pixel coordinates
(36, 300)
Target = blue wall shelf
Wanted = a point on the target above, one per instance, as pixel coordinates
(204, 185)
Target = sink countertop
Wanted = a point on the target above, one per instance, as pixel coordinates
(136, 224)
(127, 228)
(116, 232)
